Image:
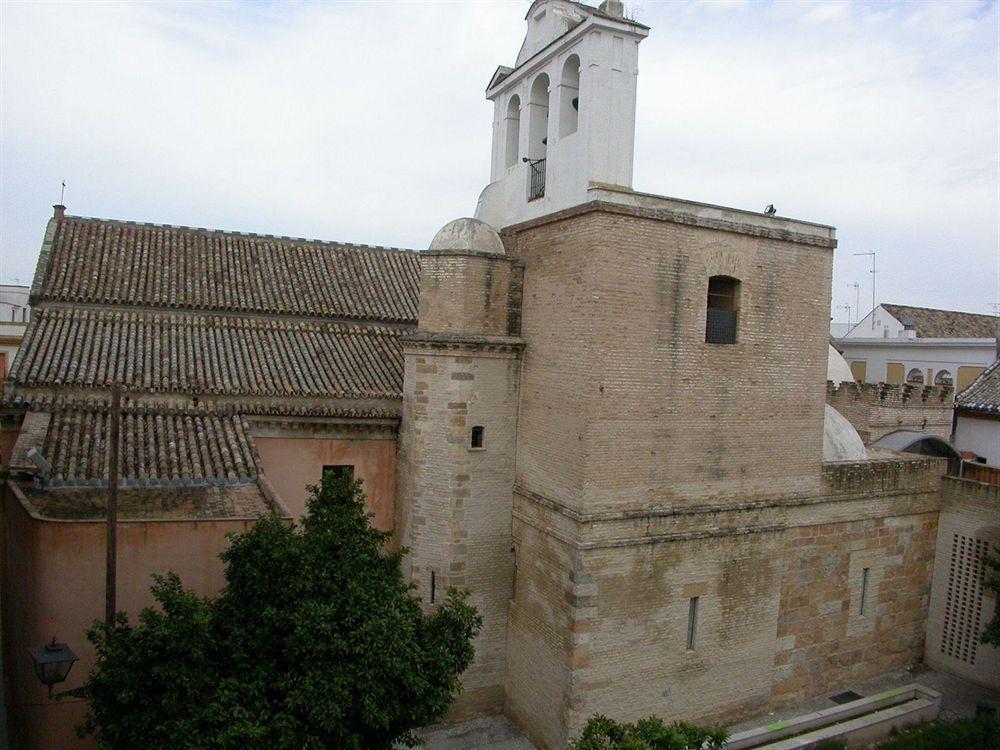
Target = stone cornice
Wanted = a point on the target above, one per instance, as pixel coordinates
(676, 216)
(426, 340)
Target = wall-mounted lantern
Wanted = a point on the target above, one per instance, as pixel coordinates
(52, 662)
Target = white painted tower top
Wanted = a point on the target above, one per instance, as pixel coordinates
(564, 115)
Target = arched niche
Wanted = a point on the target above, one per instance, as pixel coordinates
(569, 96)
(512, 130)
(538, 117)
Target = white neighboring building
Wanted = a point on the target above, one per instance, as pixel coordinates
(564, 115)
(977, 417)
(921, 346)
(14, 317)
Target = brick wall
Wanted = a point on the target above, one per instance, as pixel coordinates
(625, 405)
(653, 468)
(876, 409)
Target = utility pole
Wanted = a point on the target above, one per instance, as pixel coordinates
(873, 272)
(110, 584)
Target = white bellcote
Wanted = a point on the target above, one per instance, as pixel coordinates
(564, 116)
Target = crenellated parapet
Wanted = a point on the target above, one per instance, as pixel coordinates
(876, 409)
(888, 394)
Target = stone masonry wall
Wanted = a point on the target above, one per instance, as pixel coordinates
(600, 617)
(456, 504)
(461, 371)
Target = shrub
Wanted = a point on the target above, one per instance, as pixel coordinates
(979, 733)
(602, 733)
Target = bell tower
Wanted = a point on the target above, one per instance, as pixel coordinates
(564, 115)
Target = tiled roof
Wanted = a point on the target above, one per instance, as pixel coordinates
(203, 353)
(214, 502)
(946, 324)
(99, 261)
(157, 448)
(983, 394)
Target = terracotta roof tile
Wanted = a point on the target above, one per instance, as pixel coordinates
(157, 448)
(99, 261)
(946, 324)
(202, 353)
(212, 502)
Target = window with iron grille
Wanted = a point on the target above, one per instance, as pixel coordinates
(722, 319)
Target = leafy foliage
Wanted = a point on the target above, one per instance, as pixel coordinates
(315, 642)
(978, 733)
(992, 633)
(602, 733)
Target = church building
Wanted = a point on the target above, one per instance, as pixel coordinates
(599, 410)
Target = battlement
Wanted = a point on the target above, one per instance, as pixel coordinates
(876, 409)
(881, 476)
(888, 394)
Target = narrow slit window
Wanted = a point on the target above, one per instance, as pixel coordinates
(692, 623)
(723, 310)
(433, 586)
(864, 591)
(478, 435)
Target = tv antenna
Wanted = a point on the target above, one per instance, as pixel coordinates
(873, 272)
(62, 194)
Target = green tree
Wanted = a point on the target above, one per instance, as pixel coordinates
(316, 641)
(602, 733)
(992, 633)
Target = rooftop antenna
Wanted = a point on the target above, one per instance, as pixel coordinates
(873, 272)
(62, 194)
(857, 300)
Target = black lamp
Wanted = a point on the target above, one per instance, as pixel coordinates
(52, 662)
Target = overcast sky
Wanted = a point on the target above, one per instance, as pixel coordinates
(366, 122)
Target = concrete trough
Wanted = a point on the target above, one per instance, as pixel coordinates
(857, 723)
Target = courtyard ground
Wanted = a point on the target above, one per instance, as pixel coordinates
(958, 699)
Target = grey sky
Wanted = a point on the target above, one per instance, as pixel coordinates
(366, 122)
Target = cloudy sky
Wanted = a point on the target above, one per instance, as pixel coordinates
(366, 122)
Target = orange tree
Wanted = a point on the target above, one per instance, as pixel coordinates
(316, 641)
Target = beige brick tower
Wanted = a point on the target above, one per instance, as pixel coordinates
(457, 439)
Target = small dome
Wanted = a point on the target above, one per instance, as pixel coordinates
(837, 369)
(468, 236)
(841, 441)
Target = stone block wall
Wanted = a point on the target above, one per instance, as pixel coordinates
(600, 617)
(456, 503)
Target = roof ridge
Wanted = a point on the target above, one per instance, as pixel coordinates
(939, 309)
(237, 233)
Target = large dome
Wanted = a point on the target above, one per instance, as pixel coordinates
(468, 236)
(841, 441)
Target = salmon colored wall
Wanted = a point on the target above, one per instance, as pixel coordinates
(7, 440)
(292, 463)
(53, 585)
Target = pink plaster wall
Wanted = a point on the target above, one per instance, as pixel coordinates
(292, 463)
(53, 585)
